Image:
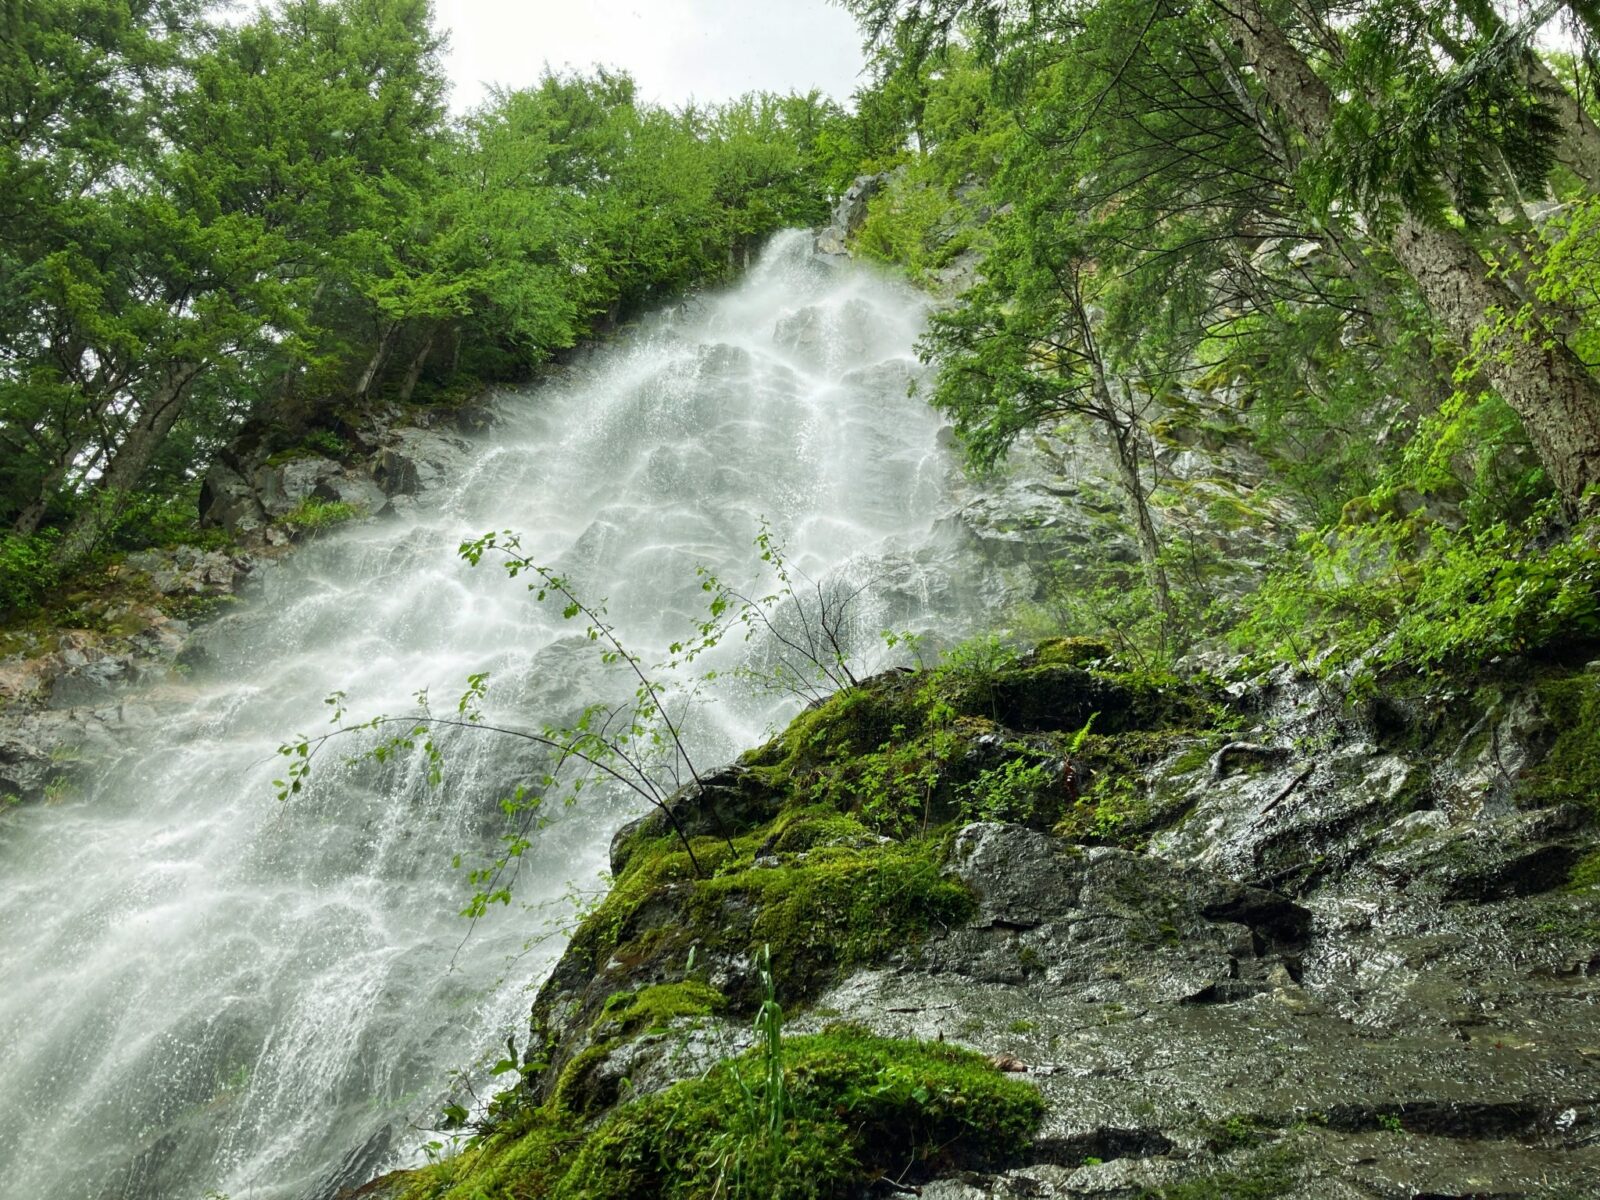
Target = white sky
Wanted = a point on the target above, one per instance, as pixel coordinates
(708, 50)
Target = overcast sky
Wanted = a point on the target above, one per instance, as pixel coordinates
(676, 49)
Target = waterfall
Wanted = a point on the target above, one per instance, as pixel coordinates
(208, 991)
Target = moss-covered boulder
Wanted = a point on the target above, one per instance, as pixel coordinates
(811, 1117)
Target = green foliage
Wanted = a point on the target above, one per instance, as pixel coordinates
(27, 570)
(1566, 271)
(966, 674)
(1419, 595)
(285, 226)
(1156, 222)
(313, 515)
(1018, 790)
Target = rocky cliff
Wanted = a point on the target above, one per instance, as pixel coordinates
(1257, 940)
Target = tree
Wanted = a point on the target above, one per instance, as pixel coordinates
(1550, 388)
(1419, 150)
(82, 85)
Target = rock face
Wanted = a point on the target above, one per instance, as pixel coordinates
(244, 494)
(65, 692)
(849, 214)
(1269, 944)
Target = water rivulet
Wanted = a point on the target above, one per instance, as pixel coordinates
(207, 990)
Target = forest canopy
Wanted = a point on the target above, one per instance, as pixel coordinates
(1361, 233)
(273, 221)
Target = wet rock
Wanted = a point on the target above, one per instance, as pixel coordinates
(1108, 925)
(849, 214)
(416, 460)
(719, 804)
(1515, 855)
(89, 684)
(187, 570)
(280, 489)
(352, 489)
(228, 500)
(395, 473)
(26, 771)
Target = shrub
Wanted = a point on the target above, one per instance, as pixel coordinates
(27, 570)
(312, 515)
(1423, 596)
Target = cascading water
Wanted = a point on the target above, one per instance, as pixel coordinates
(207, 991)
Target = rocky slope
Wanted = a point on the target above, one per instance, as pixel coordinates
(86, 679)
(1255, 941)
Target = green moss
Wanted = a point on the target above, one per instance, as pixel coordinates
(1585, 874)
(1072, 652)
(1236, 1132)
(1570, 772)
(819, 825)
(853, 1107)
(901, 786)
(524, 1162)
(1267, 1179)
(1119, 802)
(572, 1094)
(855, 721)
(856, 1107)
(654, 1007)
(1196, 756)
(837, 909)
(321, 443)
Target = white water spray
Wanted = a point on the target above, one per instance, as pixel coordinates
(202, 990)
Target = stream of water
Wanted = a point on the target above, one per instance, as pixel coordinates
(203, 990)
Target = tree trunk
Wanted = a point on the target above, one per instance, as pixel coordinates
(1125, 442)
(154, 421)
(1579, 148)
(369, 373)
(418, 361)
(33, 513)
(78, 436)
(1435, 377)
(1123, 425)
(1548, 386)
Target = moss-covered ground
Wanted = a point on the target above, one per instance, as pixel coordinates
(844, 1109)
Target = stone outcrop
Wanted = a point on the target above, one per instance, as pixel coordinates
(245, 493)
(1269, 943)
(849, 214)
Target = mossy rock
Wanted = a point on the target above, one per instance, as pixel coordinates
(1570, 771)
(850, 1108)
(854, 1108)
(1072, 652)
(820, 912)
(656, 1007)
(1063, 699)
(1133, 784)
